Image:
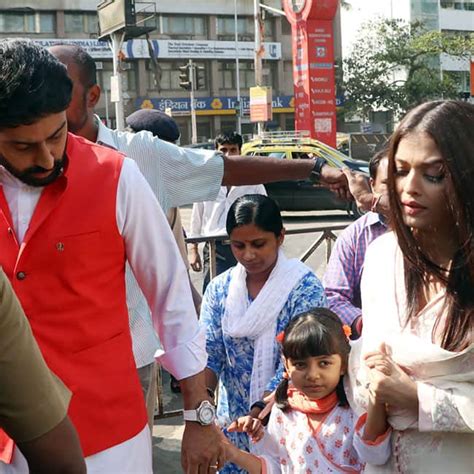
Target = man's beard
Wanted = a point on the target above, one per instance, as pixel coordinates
(27, 176)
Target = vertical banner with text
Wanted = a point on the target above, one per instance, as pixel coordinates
(261, 104)
(313, 66)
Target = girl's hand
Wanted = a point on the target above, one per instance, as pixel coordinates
(247, 424)
(389, 383)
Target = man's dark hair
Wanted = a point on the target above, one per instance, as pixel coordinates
(231, 138)
(376, 159)
(33, 84)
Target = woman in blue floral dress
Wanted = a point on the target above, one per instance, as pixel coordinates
(245, 308)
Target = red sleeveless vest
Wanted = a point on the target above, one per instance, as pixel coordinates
(69, 276)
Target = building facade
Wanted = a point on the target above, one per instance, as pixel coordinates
(199, 30)
(454, 17)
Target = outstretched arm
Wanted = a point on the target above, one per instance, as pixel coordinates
(241, 170)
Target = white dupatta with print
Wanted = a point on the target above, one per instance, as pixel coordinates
(257, 320)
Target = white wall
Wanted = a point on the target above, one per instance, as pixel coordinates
(456, 19)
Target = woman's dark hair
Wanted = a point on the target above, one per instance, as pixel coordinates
(256, 209)
(450, 124)
(315, 333)
(33, 83)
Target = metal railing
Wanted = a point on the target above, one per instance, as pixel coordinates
(326, 236)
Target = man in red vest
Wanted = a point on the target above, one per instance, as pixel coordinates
(71, 214)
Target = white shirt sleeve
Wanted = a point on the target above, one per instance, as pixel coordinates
(159, 269)
(195, 227)
(178, 176)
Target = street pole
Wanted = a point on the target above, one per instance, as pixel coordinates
(192, 78)
(258, 56)
(116, 91)
(237, 72)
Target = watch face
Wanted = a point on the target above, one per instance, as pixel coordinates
(297, 5)
(207, 414)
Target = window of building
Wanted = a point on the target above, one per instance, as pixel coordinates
(461, 79)
(105, 72)
(181, 25)
(465, 5)
(170, 72)
(228, 76)
(27, 22)
(245, 28)
(80, 22)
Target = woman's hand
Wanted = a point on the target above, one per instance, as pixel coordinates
(389, 383)
(250, 425)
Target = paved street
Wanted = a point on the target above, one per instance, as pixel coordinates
(167, 432)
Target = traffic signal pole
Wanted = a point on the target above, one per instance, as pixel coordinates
(192, 80)
(258, 54)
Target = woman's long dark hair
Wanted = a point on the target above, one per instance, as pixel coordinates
(314, 333)
(451, 126)
(256, 209)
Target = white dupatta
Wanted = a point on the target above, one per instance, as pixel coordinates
(258, 320)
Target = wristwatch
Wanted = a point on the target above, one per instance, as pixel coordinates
(315, 175)
(205, 413)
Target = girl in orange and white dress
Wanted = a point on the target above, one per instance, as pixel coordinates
(312, 429)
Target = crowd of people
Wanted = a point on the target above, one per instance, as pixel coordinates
(370, 370)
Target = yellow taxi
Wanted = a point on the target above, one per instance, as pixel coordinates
(303, 195)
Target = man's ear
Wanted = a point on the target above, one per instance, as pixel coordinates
(93, 96)
(281, 237)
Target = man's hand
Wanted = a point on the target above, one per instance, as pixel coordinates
(336, 181)
(202, 449)
(194, 259)
(359, 188)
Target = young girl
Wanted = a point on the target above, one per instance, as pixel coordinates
(245, 308)
(311, 427)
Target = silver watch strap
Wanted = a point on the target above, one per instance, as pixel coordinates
(190, 415)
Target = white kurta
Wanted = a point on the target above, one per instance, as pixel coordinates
(291, 446)
(439, 438)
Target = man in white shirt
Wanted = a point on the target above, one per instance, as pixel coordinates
(209, 217)
(177, 176)
(68, 223)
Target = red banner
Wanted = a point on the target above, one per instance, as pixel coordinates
(313, 66)
(472, 78)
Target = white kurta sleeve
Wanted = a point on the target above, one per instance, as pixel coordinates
(158, 267)
(375, 452)
(270, 447)
(195, 227)
(440, 409)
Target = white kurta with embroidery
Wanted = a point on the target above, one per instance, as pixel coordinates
(440, 437)
(291, 445)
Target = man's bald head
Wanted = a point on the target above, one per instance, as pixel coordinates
(85, 93)
(72, 54)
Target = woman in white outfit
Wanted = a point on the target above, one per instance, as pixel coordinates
(416, 353)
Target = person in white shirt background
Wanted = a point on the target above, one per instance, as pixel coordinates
(177, 176)
(209, 217)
